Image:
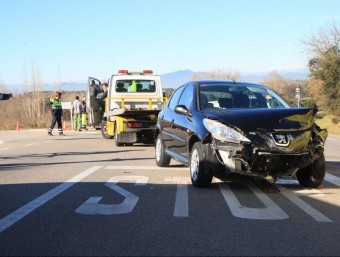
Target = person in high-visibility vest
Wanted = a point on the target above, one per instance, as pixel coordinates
(83, 113)
(57, 113)
(133, 87)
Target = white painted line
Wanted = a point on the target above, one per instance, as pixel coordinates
(20, 213)
(182, 199)
(318, 216)
(271, 211)
(332, 179)
(144, 168)
(4, 149)
(30, 144)
(1, 142)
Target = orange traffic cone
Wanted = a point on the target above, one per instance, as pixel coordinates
(18, 127)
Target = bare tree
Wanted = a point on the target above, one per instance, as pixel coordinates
(320, 43)
(33, 100)
(218, 74)
(58, 82)
(3, 88)
(275, 81)
(224, 74)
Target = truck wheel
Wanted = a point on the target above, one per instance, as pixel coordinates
(313, 175)
(162, 159)
(200, 176)
(104, 130)
(117, 138)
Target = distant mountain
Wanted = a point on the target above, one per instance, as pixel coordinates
(67, 86)
(177, 78)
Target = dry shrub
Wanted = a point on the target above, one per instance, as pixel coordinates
(315, 89)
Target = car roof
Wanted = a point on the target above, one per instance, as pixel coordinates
(228, 82)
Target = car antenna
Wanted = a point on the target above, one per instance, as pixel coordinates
(234, 81)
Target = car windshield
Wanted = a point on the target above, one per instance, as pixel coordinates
(239, 96)
(135, 85)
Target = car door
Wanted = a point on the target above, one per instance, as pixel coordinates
(95, 113)
(166, 118)
(181, 124)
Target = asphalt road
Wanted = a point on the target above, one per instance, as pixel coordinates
(80, 195)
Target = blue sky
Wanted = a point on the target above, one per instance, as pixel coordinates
(70, 40)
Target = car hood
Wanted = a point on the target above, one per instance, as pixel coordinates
(264, 120)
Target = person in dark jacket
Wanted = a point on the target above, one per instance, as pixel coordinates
(102, 96)
(57, 113)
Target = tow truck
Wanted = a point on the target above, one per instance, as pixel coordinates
(130, 112)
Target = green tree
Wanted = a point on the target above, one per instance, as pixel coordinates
(324, 64)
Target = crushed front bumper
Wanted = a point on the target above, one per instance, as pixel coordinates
(262, 157)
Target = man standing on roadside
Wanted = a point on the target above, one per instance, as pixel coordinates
(76, 105)
(57, 113)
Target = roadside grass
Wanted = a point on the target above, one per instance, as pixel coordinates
(328, 122)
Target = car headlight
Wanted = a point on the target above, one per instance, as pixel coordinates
(222, 132)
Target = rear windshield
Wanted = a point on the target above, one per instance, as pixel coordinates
(135, 86)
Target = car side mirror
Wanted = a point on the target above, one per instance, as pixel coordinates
(182, 109)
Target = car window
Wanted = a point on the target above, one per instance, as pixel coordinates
(135, 85)
(240, 96)
(187, 97)
(175, 97)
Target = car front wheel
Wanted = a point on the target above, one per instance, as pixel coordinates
(200, 176)
(162, 159)
(313, 175)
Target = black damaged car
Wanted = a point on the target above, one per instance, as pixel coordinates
(221, 128)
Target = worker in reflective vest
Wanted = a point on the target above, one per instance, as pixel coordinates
(57, 113)
(83, 113)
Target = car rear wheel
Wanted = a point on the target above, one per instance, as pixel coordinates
(200, 176)
(314, 174)
(104, 130)
(162, 159)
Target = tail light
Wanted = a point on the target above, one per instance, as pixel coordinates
(148, 71)
(135, 125)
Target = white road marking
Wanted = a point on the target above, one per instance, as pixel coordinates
(1, 142)
(93, 207)
(182, 200)
(30, 144)
(20, 213)
(270, 212)
(318, 216)
(328, 177)
(332, 179)
(4, 149)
